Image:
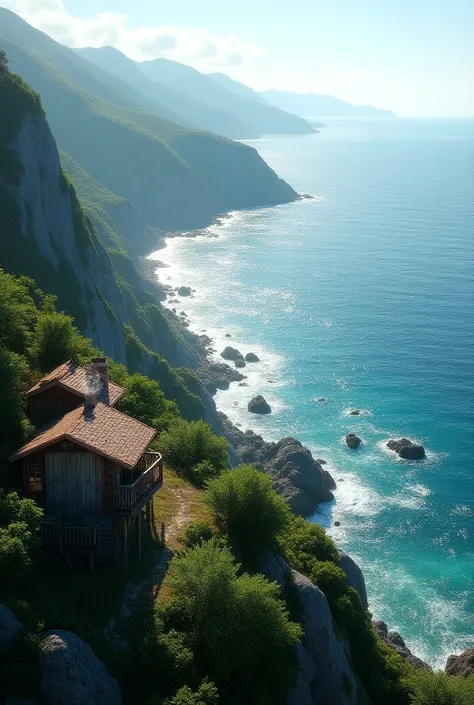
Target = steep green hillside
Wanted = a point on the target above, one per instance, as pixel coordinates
(236, 87)
(176, 178)
(265, 119)
(188, 112)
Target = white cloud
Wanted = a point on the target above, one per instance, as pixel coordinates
(198, 47)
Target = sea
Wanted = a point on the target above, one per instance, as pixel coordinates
(362, 297)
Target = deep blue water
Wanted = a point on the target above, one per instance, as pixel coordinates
(364, 295)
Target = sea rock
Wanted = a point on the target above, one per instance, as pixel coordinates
(259, 405)
(353, 441)
(230, 353)
(397, 643)
(228, 335)
(354, 576)
(321, 400)
(243, 384)
(462, 665)
(205, 339)
(185, 291)
(71, 674)
(240, 363)
(406, 449)
(337, 523)
(252, 357)
(321, 461)
(9, 626)
(355, 412)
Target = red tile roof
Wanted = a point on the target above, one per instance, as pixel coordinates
(71, 377)
(102, 429)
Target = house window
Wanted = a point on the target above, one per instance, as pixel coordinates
(35, 478)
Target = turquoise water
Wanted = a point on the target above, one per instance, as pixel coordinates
(364, 295)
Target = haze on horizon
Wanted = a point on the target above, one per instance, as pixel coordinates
(415, 57)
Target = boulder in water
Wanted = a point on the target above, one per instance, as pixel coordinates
(353, 441)
(252, 357)
(406, 449)
(240, 363)
(185, 291)
(355, 412)
(259, 405)
(230, 353)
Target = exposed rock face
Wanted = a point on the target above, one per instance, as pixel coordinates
(259, 405)
(230, 353)
(71, 674)
(407, 449)
(396, 642)
(323, 663)
(354, 576)
(184, 291)
(296, 475)
(252, 357)
(353, 441)
(462, 665)
(9, 626)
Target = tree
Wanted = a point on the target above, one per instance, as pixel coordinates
(145, 401)
(188, 444)
(240, 628)
(56, 340)
(248, 510)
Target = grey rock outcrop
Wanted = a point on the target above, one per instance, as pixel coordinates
(397, 643)
(240, 363)
(296, 475)
(407, 449)
(325, 676)
(354, 576)
(9, 626)
(353, 441)
(71, 674)
(462, 665)
(259, 405)
(252, 357)
(230, 353)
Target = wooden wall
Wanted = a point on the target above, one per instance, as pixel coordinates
(51, 404)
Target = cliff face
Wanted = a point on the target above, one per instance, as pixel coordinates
(47, 228)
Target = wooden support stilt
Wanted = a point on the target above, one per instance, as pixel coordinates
(139, 534)
(125, 543)
(92, 562)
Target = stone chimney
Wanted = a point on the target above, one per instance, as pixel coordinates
(100, 364)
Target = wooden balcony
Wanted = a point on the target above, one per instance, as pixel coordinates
(128, 499)
(70, 538)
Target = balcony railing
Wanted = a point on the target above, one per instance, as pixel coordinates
(127, 498)
(69, 537)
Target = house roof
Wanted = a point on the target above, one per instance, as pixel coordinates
(102, 429)
(73, 378)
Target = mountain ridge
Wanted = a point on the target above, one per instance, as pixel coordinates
(312, 105)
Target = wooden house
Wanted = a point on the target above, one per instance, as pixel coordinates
(88, 466)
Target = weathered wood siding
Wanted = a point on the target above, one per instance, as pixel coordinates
(73, 484)
(51, 404)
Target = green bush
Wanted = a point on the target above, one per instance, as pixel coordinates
(206, 695)
(56, 340)
(429, 688)
(144, 400)
(248, 510)
(19, 535)
(304, 543)
(330, 579)
(240, 630)
(197, 532)
(187, 444)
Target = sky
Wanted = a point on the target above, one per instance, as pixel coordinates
(415, 57)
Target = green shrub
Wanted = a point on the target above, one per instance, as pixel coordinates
(56, 340)
(429, 688)
(240, 630)
(330, 579)
(187, 444)
(248, 510)
(19, 535)
(206, 695)
(204, 472)
(304, 543)
(144, 400)
(197, 532)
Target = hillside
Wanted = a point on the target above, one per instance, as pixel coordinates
(311, 105)
(166, 100)
(155, 164)
(265, 119)
(236, 87)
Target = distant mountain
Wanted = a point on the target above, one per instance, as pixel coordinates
(265, 119)
(238, 88)
(165, 101)
(176, 178)
(311, 105)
